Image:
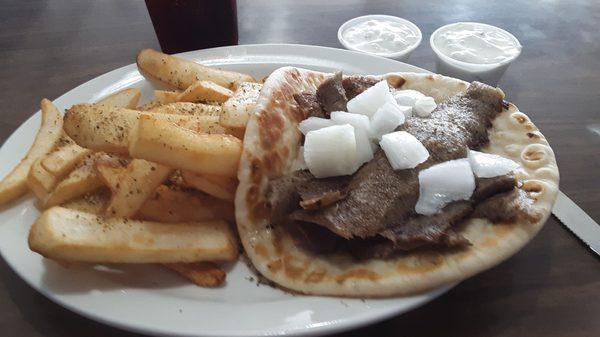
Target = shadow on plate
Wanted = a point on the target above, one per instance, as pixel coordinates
(71, 278)
(14, 203)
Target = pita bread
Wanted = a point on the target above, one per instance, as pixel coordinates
(271, 146)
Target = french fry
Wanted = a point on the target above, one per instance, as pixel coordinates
(107, 129)
(165, 96)
(64, 159)
(80, 181)
(14, 184)
(237, 109)
(97, 200)
(48, 170)
(221, 187)
(166, 143)
(149, 105)
(131, 187)
(203, 274)
(40, 181)
(110, 174)
(181, 73)
(110, 170)
(188, 108)
(170, 204)
(175, 180)
(126, 98)
(94, 202)
(113, 160)
(205, 91)
(69, 235)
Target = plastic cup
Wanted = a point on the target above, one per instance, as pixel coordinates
(400, 55)
(489, 73)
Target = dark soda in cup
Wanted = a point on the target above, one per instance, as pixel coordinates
(183, 25)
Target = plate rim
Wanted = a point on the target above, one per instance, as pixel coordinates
(339, 325)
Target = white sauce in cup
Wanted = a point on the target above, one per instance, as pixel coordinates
(380, 36)
(477, 43)
(474, 51)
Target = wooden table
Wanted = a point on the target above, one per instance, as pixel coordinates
(550, 288)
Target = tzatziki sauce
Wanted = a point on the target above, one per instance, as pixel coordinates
(379, 36)
(477, 43)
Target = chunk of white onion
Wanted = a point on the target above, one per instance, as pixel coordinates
(387, 118)
(403, 150)
(361, 126)
(331, 151)
(443, 183)
(424, 106)
(358, 121)
(487, 165)
(364, 149)
(367, 102)
(407, 97)
(313, 123)
(408, 111)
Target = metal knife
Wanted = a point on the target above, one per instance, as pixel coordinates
(577, 221)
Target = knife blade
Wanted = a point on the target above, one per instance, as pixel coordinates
(577, 221)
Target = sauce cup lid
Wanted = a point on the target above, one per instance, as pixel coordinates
(360, 19)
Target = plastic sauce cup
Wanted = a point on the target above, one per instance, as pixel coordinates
(401, 55)
(489, 73)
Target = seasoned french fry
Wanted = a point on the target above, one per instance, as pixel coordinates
(149, 105)
(187, 108)
(70, 235)
(170, 204)
(181, 73)
(14, 184)
(107, 129)
(203, 274)
(112, 160)
(205, 91)
(40, 181)
(126, 98)
(131, 187)
(237, 109)
(110, 174)
(48, 170)
(110, 169)
(62, 161)
(94, 202)
(218, 186)
(80, 181)
(164, 142)
(175, 180)
(165, 96)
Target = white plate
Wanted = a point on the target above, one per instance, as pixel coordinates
(148, 299)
